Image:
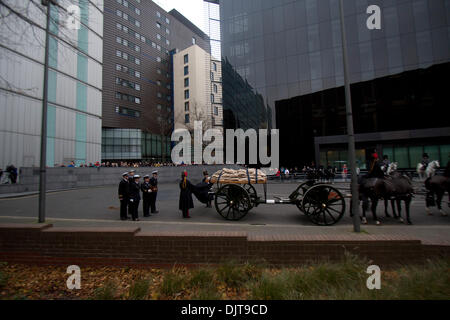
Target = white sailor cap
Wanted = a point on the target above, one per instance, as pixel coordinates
(155, 172)
(124, 174)
(137, 176)
(146, 176)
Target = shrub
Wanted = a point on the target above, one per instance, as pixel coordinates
(107, 291)
(139, 289)
(172, 284)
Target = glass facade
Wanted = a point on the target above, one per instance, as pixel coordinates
(132, 144)
(289, 54)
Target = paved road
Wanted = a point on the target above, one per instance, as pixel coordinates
(102, 204)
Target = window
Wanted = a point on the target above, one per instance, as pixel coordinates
(167, 21)
(137, 74)
(214, 66)
(158, 71)
(212, 76)
(186, 82)
(186, 118)
(158, 14)
(158, 25)
(167, 31)
(216, 111)
(194, 41)
(212, 98)
(215, 88)
(186, 94)
(186, 70)
(186, 58)
(186, 106)
(159, 107)
(158, 83)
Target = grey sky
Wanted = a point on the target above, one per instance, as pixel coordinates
(191, 9)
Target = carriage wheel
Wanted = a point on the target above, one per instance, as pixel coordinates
(323, 205)
(299, 194)
(232, 202)
(252, 193)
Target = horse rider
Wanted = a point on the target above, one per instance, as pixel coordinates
(425, 161)
(375, 170)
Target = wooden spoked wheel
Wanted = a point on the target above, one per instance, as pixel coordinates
(232, 202)
(324, 205)
(298, 194)
(252, 193)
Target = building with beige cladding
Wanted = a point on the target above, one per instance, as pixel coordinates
(197, 89)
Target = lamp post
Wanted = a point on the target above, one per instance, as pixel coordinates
(43, 160)
(350, 129)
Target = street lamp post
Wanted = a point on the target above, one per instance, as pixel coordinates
(43, 160)
(350, 129)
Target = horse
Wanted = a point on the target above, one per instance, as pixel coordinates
(436, 185)
(395, 187)
(430, 170)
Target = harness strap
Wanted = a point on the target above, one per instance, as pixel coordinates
(220, 176)
(248, 177)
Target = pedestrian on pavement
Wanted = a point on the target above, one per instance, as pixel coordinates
(146, 195)
(135, 197)
(154, 193)
(186, 203)
(124, 195)
(344, 173)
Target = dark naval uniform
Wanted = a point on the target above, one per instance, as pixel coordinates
(124, 190)
(153, 194)
(146, 197)
(135, 198)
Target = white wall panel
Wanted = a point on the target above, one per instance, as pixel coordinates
(65, 124)
(94, 98)
(95, 46)
(21, 74)
(95, 70)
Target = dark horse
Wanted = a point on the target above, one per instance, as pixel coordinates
(395, 187)
(437, 186)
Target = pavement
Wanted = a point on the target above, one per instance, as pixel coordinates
(99, 207)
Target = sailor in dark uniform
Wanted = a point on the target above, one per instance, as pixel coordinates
(146, 195)
(130, 181)
(154, 193)
(124, 190)
(135, 197)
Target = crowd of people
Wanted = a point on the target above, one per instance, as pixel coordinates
(9, 176)
(119, 164)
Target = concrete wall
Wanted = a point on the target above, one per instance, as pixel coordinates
(72, 178)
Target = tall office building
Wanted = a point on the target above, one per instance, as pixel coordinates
(285, 57)
(140, 38)
(74, 83)
(197, 89)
